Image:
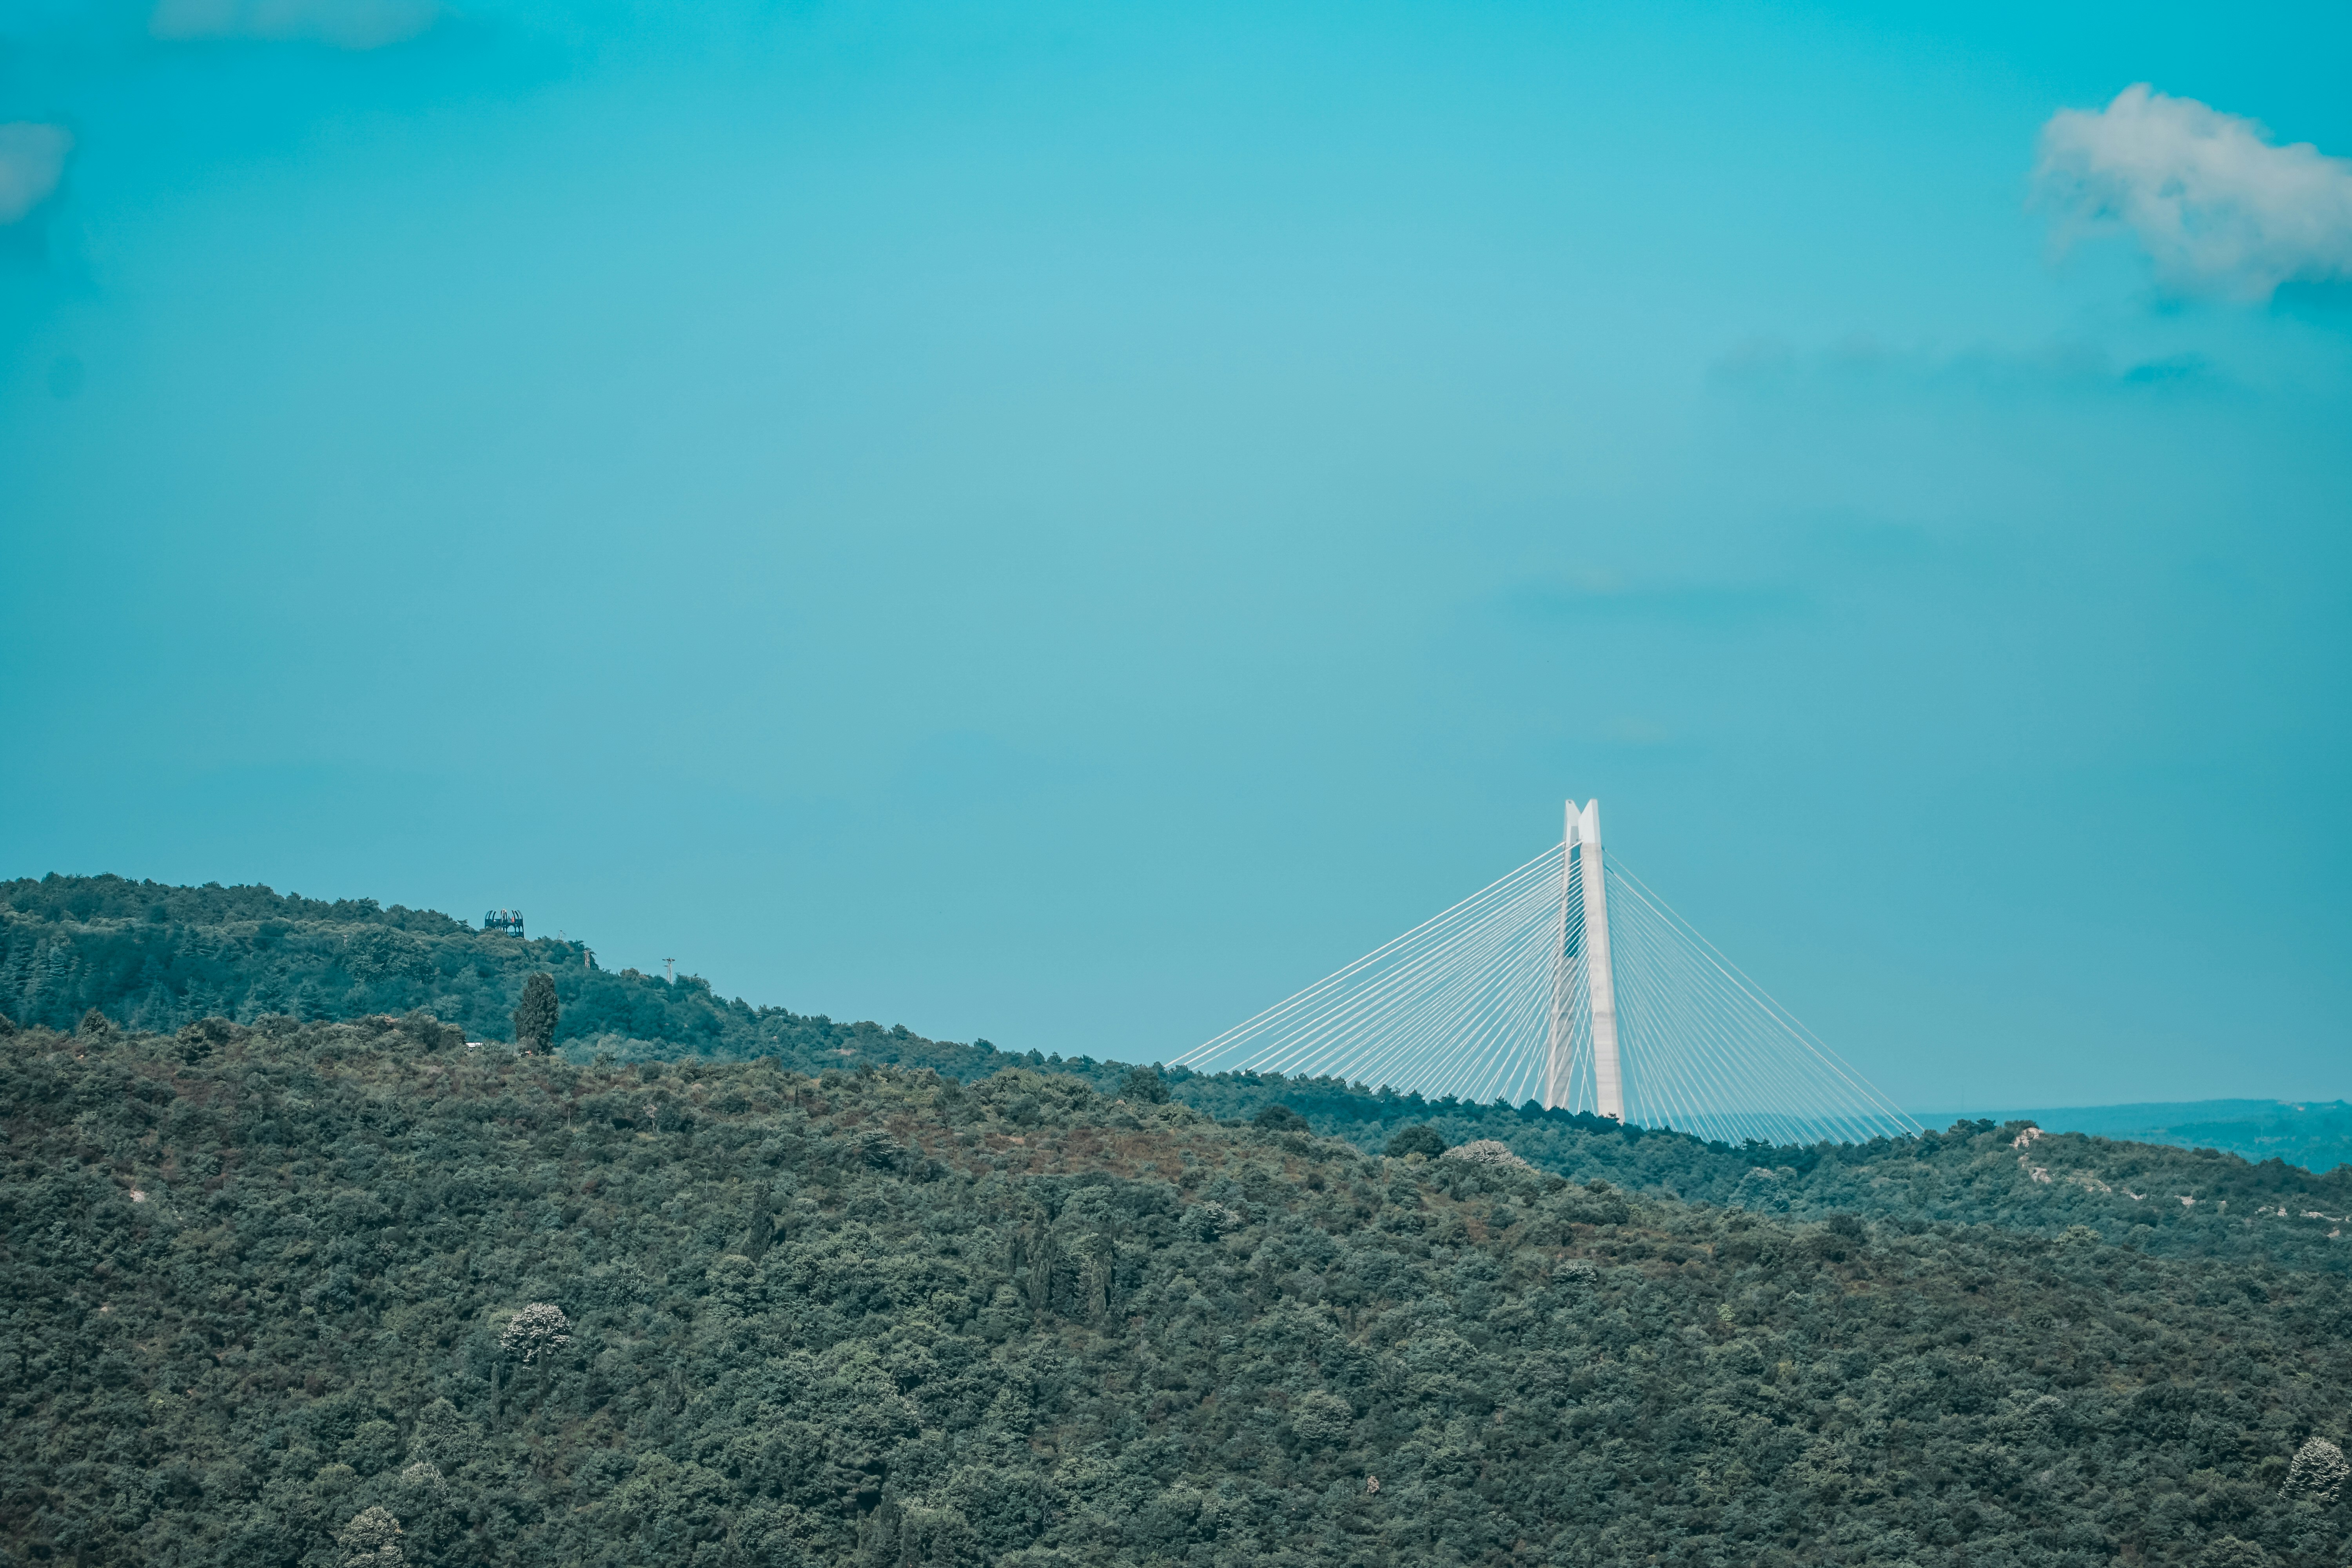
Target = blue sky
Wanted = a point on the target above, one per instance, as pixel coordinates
(1065, 523)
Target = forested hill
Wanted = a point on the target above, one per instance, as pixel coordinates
(159, 957)
(2180, 1202)
(148, 956)
(293, 1296)
(2314, 1134)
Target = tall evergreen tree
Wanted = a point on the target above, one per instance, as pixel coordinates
(535, 1015)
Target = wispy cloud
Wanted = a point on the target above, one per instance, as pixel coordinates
(345, 24)
(2059, 367)
(1601, 596)
(32, 161)
(2219, 206)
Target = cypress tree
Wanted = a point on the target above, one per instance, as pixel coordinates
(535, 1015)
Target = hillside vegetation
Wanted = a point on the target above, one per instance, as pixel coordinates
(2316, 1135)
(326, 1293)
(150, 956)
(154, 957)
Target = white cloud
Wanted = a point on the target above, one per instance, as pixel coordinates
(346, 23)
(32, 160)
(2217, 206)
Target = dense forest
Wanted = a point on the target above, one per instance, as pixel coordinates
(328, 1293)
(155, 957)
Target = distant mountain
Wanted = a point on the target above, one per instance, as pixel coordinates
(2316, 1135)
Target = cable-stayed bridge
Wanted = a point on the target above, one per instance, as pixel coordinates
(1569, 982)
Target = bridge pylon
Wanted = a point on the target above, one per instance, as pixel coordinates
(1580, 969)
(1572, 983)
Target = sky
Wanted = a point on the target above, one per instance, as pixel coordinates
(1064, 523)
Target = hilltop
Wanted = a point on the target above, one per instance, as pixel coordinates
(285, 1295)
(149, 956)
(2316, 1135)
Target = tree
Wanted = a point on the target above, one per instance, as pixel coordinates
(535, 1015)
(1320, 1418)
(2318, 1472)
(1419, 1139)
(1144, 1087)
(1478, 1152)
(1279, 1119)
(540, 1327)
(372, 1539)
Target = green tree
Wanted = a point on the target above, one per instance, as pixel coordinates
(1418, 1139)
(535, 1015)
(1144, 1087)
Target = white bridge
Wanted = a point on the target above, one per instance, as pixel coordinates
(1571, 982)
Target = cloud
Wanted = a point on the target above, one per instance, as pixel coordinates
(346, 23)
(1861, 362)
(2219, 207)
(32, 160)
(1600, 597)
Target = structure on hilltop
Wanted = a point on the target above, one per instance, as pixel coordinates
(1570, 983)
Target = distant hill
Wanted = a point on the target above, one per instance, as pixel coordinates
(2165, 1199)
(2315, 1135)
(153, 957)
(150, 956)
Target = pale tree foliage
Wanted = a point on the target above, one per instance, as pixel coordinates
(372, 1539)
(540, 1327)
(2318, 1472)
(1486, 1152)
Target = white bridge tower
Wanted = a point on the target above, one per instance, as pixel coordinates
(1582, 967)
(1572, 983)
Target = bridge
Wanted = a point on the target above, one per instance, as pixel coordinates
(1570, 982)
